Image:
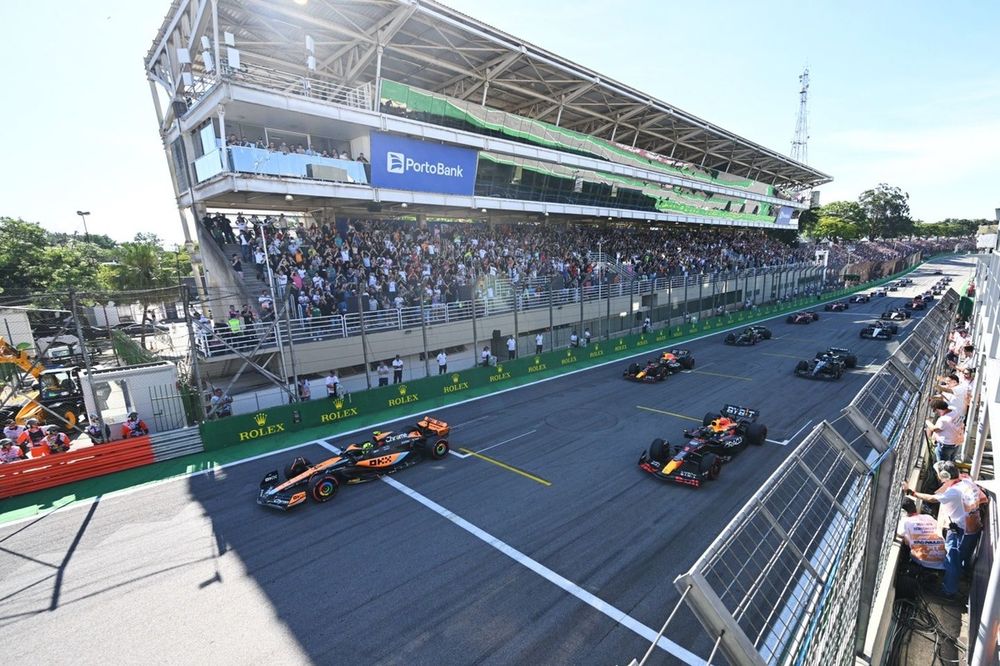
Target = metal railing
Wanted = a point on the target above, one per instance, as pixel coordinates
(792, 579)
(526, 297)
(359, 97)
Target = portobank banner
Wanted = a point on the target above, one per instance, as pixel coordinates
(401, 163)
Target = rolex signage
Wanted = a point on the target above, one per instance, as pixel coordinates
(499, 375)
(405, 397)
(263, 429)
(456, 384)
(339, 412)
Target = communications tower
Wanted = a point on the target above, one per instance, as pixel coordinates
(800, 142)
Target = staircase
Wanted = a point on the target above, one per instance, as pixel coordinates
(176, 443)
(252, 287)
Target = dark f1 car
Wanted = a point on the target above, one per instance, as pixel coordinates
(720, 438)
(806, 317)
(879, 330)
(824, 366)
(388, 453)
(916, 304)
(861, 298)
(658, 369)
(846, 356)
(838, 306)
(896, 314)
(750, 335)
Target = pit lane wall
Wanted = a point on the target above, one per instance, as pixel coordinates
(391, 402)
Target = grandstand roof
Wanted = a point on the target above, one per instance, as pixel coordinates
(430, 46)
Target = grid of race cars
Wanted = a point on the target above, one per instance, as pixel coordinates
(698, 460)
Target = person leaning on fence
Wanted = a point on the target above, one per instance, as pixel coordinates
(960, 500)
(920, 534)
(305, 391)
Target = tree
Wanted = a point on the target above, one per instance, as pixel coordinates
(888, 211)
(141, 270)
(20, 242)
(836, 229)
(807, 220)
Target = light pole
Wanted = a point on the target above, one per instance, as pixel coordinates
(83, 216)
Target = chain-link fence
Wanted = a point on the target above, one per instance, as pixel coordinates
(792, 579)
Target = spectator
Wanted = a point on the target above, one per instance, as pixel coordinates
(96, 430)
(305, 391)
(221, 404)
(956, 394)
(539, 340)
(383, 373)
(32, 438)
(237, 266)
(960, 500)
(56, 441)
(332, 384)
(442, 359)
(511, 348)
(397, 370)
(647, 325)
(574, 339)
(361, 158)
(944, 430)
(484, 356)
(8, 452)
(586, 337)
(12, 430)
(134, 426)
(921, 535)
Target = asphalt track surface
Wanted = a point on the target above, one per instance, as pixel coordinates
(539, 541)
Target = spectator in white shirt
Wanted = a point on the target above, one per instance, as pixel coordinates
(511, 348)
(332, 384)
(538, 343)
(442, 359)
(944, 430)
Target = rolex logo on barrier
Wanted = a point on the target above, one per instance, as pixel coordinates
(569, 358)
(621, 345)
(404, 397)
(641, 341)
(536, 366)
(456, 384)
(595, 352)
(338, 413)
(499, 375)
(262, 429)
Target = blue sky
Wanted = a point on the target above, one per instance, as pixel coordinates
(902, 92)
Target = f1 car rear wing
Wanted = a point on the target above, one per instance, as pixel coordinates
(439, 428)
(737, 412)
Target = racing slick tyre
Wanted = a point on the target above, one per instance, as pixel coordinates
(687, 363)
(323, 487)
(439, 449)
(756, 433)
(709, 417)
(711, 466)
(789, 319)
(851, 361)
(801, 366)
(296, 467)
(659, 450)
(730, 339)
(766, 334)
(633, 369)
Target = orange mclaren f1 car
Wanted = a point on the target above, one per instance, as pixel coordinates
(386, 453)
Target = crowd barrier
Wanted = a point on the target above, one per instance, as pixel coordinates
(390, 402)
(54, 470)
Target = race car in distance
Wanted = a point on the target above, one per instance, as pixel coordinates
(916, 304)
(806, 317)
(894, 286)
(936, 291)
(658, 369)
(750, 335)
(927, 296)
(906, 282)
(846, 356)
(387, 453)
(879, 330)
(881, 291)
(861, 298)
(720, 438)
(838, 306)
(895, 314)
(824, 366)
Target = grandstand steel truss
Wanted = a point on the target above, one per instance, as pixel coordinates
(792, 579)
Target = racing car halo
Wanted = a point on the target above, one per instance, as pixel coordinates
(700, 459)
(387, 454)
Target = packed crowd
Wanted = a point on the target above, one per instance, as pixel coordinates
(298, 148)
(385, 264)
